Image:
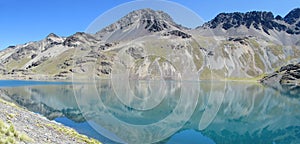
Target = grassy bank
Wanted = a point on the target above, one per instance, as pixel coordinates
(18, 125)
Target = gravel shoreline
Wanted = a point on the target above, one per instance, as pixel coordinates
(29, 127)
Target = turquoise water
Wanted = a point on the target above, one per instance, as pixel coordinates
(168, 112)
(17, 83)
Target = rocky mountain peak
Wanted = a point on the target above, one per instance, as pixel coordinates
(152, 20)
(148, 14)
(236, 19)
(52, 35)
(259, 20)
(53, 38)
(293, 16)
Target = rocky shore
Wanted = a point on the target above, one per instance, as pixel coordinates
(286, 75)
(18, 125)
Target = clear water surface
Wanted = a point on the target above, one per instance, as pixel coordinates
(168, 112)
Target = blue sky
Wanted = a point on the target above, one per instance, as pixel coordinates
(31, 20)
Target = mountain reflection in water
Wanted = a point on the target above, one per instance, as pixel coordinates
(162, 111)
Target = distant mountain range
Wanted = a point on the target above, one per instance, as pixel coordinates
(258, 20)
(148, 44)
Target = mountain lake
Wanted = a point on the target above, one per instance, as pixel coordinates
(171, 112)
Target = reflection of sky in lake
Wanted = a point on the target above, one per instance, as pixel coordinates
(189, 137)
(85, 128)
(192, 112)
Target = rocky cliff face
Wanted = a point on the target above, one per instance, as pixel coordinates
(148, 44)
(293, 17)
(259, 24)
(258, 20)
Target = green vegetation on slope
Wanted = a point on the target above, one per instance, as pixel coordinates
(52, 66)
(8, 134)
(276, 49)
(73, 133)
(197, 55)
(258, 62)
(13, 64)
